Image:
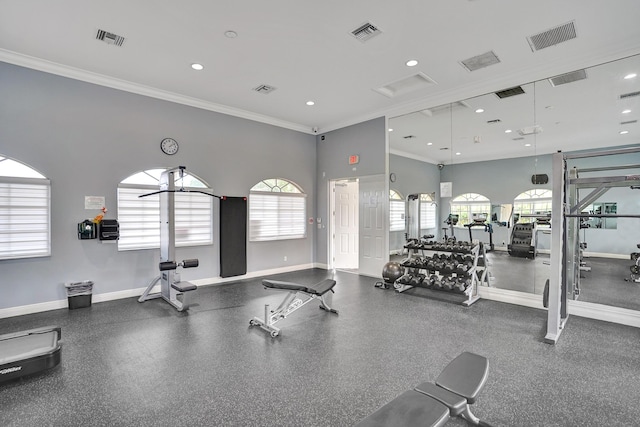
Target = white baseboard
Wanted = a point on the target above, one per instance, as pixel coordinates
(136, 292)
(605, 255)
(589, 310)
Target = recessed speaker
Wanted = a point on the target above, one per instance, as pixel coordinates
(540, 179)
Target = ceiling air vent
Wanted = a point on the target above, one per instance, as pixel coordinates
(552, 37)
(264, 89)
(529, 130)
(446, 108)
(406, 85)
(629, 95)
(573, 76)
(520, 138)
(365, 32)
(480, 61)
(510, 92)
(494, 121)
(630, 122)
(109, 38)
(409, 136)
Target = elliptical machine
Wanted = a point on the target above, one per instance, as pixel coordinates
(635, 268)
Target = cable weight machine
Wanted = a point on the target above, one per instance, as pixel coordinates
(567, 207)
(173, 290)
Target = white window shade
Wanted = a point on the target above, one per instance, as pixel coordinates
(139, 219)
(396, 215)
(277, 216)
(427, 215)
(24, 218)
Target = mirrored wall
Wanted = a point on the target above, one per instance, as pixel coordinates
(488, 160)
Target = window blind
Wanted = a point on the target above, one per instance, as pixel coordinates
(139, 219)
(277, 216)
(25, 207)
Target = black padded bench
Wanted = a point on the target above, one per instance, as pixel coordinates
(429, 404)
(297, 296)
(28, 352)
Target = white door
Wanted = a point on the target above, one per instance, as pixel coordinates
(373, 236)
(345, 231)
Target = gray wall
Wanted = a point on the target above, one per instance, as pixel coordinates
(413, 176)
(87, 138)
(368, 140)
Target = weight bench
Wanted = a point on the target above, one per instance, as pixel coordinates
(27, 352)
(297, 296)
(429, 404)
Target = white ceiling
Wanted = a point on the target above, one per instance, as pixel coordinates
(305, 50)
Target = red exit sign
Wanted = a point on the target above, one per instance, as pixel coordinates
(354, 159)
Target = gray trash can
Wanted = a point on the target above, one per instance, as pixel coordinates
(79, 294)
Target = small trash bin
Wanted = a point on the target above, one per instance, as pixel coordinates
(79, 294)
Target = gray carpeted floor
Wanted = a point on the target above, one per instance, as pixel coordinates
(131, 364)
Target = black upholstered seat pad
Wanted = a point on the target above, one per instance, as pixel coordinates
(410, 409)
(317, 289)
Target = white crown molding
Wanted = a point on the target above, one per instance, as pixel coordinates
(151, 92)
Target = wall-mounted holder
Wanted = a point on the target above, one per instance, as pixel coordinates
(87, 229)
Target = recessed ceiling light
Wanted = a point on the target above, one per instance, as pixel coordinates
(624, 132)
(479, 110)
(390, 130)
(197, 66)
(429, 143)
(630, 76)
(310, 103)
(412, 63)
(458, 153)
(230, 34)
(626, 111)
(508, 131)
(527, 145)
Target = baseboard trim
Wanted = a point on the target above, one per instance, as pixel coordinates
(589, 310)
(136, 292)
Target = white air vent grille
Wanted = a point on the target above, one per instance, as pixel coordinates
(573, 76)
(629, 95)
(407, 85)
(530, 130)
(510, 92)
(480, 61)
(109, 38)
(264, 89)
(365, 32)
(552, 37)
(446, 108)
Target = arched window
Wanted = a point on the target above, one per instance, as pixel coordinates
(139, 217)
(25, 211)
(427, 211)
(277, 211)
(469, 206)
(536, 201)
(396, 211)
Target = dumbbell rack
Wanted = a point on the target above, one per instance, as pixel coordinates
(459, 280)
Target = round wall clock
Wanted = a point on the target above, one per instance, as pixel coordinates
(392, 177)
(169, 146)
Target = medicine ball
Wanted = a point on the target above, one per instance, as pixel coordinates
(391, 272)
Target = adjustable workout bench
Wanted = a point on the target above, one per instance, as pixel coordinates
(457, 387)
(297, 296)
(27, 352)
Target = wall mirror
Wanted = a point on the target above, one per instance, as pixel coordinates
(499, 145)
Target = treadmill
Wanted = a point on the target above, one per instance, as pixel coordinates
(28, 352)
